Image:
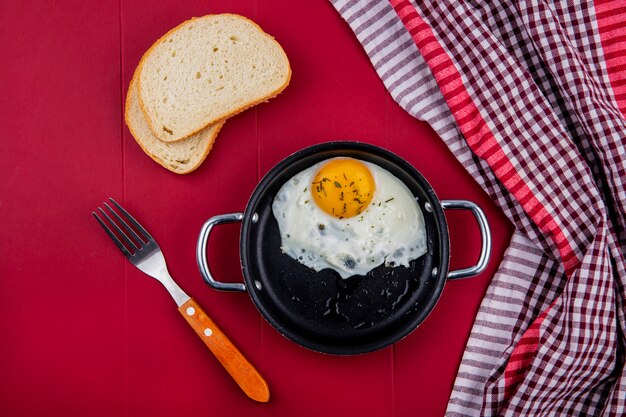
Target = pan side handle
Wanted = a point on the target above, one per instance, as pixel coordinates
(201, 257)
(485, 233)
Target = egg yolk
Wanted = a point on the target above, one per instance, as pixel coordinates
(343, 187)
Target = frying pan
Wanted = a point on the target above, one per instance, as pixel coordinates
(320, 310)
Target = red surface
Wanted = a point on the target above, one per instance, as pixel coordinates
(82, 331)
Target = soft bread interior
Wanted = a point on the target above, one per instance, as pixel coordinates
(208, 69)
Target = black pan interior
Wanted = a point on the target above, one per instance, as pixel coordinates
(320, 310)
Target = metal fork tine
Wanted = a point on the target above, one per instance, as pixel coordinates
(126, 227)
(133, 221)
(111, 234)
(129, 243)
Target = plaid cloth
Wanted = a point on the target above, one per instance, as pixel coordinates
(530, 96)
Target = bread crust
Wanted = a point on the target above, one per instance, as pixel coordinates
(225, 116)
(205, 151)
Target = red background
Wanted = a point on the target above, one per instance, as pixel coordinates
(82, 331)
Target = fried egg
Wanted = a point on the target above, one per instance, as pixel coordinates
(349, 215)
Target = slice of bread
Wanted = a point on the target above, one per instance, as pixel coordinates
(208, 69)
(180, 157)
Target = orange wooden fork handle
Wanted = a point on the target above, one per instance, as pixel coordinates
(242, 371)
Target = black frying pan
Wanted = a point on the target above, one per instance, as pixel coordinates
(320, 310)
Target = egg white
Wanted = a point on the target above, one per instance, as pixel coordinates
(390, 230)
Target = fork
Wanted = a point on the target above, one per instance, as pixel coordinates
(143, 251)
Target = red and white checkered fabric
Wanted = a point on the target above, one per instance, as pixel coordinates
(530, 96)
